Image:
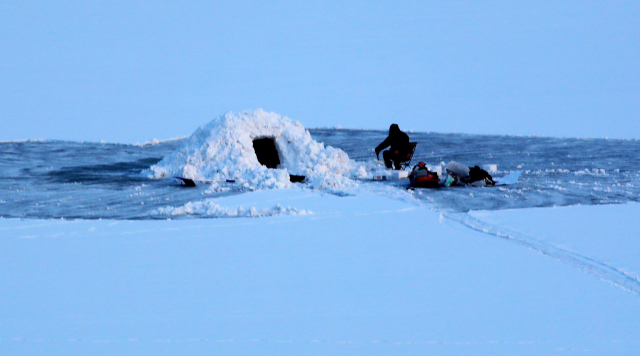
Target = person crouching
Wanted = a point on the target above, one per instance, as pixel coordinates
(399, 147)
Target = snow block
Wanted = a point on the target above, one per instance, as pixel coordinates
(399, 174)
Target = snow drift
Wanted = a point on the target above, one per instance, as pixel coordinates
(224, 149)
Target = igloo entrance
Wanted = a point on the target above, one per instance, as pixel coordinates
(266, 152)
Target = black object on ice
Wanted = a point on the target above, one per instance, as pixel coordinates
(296, 179)
(476, 174)
(266, 152)
(187, 182)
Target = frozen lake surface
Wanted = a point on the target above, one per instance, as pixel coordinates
(371, 269)
(57, 179)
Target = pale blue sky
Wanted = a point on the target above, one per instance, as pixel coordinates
(136, 70)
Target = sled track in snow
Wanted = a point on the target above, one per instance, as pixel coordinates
(603, 271)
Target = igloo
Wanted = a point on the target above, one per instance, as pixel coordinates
(258, 150)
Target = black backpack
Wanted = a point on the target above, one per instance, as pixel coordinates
(477, 174)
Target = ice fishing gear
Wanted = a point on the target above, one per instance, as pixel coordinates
(475, 175)
(457, 172)
(421, 177)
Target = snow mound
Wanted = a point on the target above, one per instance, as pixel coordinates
(210, 208)
(223, 149)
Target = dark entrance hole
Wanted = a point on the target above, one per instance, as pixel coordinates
(266, 152)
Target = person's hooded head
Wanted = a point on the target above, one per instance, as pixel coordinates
(394, 129)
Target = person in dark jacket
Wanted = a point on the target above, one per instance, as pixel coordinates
(398, 142)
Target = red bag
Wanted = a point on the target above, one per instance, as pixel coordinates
(421, 177)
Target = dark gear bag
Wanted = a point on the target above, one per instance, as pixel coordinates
(421, 177)
(478, 174)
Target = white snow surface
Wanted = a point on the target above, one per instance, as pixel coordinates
(603, 240)
(223, 149)
(373, 273)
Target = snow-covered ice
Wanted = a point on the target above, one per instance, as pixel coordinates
(364, 274)
(261, 203)
(354, 267)
(601, 240)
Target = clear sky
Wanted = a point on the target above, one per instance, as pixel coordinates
(137, 70)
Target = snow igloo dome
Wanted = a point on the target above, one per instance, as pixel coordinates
(258, 150)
